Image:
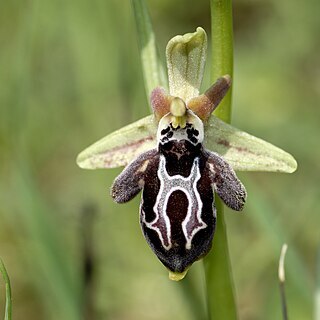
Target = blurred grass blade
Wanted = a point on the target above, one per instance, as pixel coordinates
(8, 309)
(186, 57)
(282, 279)
(50, 262)
(317, 294)
(220, 291)
(153, 71)
(267, 222)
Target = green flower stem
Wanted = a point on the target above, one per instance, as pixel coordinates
(220, 292)
(153, 71)
(8, 309)
(222, 50)
(220, 295)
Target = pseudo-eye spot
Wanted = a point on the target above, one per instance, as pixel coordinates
(179, 180)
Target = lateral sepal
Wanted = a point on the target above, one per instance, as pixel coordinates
(241, 150)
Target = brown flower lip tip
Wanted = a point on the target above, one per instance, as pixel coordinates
(205, 104)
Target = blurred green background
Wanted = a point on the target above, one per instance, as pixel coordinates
(69, 74)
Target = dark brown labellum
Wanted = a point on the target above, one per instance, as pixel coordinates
(179, 178)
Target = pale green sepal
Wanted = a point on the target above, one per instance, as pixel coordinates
(245, 152)
(8, 307)
(186, 57)
(120, 147)
(241, 150)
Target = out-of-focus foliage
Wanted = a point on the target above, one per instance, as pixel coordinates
(70, 73)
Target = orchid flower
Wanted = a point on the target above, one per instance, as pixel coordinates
(180, 157)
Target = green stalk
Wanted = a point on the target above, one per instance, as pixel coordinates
(8, 309)
(222, 50)
(220, 291)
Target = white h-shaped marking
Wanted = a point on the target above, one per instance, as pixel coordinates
(169, 184)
